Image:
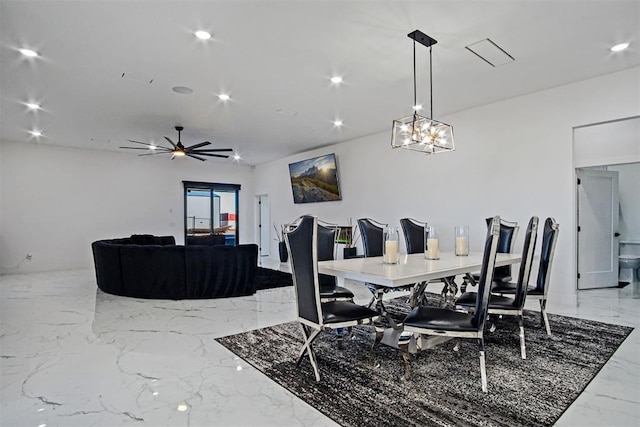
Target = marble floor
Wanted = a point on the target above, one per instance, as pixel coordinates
(71, 355)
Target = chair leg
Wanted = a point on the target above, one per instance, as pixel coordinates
(483, 370)
(523, 349)
(406, 358)
(543, 314)
(309, 335)
(379, 334)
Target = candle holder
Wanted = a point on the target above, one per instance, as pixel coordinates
(462, 240)
(431, 248)
(390, 246)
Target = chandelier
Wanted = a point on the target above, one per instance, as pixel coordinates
(416, 132)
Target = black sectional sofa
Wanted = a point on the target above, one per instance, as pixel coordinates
(145, 266)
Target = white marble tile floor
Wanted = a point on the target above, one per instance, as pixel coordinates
(71, 355)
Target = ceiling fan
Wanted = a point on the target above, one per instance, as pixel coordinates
(179, 150)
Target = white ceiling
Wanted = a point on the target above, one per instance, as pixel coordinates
(275, 58)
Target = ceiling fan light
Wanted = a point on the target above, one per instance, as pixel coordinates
(29, 53)
(179, 153)
(203, 35)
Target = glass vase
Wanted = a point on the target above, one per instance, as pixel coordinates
(390, 246)
(431, 248)
(462, 240)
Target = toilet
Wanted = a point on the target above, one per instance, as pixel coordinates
(629, 261)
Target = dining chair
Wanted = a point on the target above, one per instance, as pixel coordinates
(413, 231)
(372, 233)
(437, 321)
(329, 290)
(313, 314)
(513, 305)
(508, 235)
(539, 291)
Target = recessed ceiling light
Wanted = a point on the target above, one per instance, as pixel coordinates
(35, 133)
(203, 35)
(336, 79)
(223, 97)
(32, 105)
(337, 123)
(236, 156)
(619, 47)
(153, 147)
(183, 90)
(417, 107)
(28, 52)
(182, 407)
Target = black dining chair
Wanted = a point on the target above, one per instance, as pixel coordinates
(513, 305)
(508, 235)
(372, 233)
(437, 321)
(413, 232)
(329, 290)
(313, 314)
(539, 291)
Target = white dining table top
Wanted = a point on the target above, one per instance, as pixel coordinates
(411, 269)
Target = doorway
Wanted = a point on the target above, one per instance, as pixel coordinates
(211, 213)
(607, 200)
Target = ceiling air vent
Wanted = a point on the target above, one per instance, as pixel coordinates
(490, 53)
(138, 77)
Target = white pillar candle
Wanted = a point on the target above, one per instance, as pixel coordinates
(390, 252)
(432, 249)
(461, 246)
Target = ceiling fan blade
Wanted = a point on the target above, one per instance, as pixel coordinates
(170, 141)
(212, 155)
(202, 144)
(214, 150)
(154, 153)
(138, 142)
(196, 157)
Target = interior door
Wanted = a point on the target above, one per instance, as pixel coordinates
(263, 226)
(597, 228)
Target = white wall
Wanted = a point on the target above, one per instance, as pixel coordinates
(513, 158)
(56, 201)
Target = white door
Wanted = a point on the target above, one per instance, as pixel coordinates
(597, 228)
(262, 224)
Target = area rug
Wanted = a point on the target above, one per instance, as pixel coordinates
(444, 390)
(267, 278)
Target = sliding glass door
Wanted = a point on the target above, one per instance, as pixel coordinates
(211, 213)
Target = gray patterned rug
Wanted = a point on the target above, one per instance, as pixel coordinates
(444, 389)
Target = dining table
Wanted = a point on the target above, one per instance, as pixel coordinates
(411, 271)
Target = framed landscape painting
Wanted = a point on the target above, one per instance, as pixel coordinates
(315, 180)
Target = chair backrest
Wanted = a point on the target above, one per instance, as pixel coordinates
(372, 233)
(508, 234)
(549, 240)
(303, 259)
(413, 235)
(486, 272)
(528, 248)
(326, 250)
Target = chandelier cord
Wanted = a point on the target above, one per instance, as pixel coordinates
(430, 79)
(415, 101)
